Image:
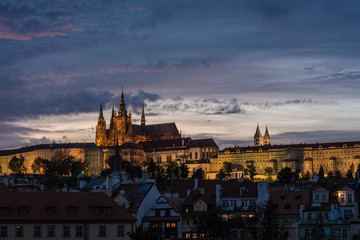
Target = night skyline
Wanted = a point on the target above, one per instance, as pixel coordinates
(216, 68)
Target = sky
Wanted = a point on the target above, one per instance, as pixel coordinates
(215, 68)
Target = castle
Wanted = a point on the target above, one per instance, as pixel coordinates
(122, 130)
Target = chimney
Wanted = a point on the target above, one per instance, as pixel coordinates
(188, 192)
(196, 183)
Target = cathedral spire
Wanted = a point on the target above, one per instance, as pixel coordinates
(142, 116)
(112, 118)
(267, 137)
(122, 110)
(258, 138)
(101, 112)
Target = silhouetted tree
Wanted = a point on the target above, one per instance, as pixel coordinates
(330, 174)
(184, 171)
(307, 176)
(338, 174)
(38, 166)
(151, 168)
(199, 173)
(0, 169)
(16, 165)
(268, 174)
(251, 171)
(225, 170)
(172, 171)
(285, 175)
(321, 172)
(297, 175)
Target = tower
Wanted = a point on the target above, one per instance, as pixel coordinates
(122, 111)
(267, 137)
(258, 138)
(100, 139)
(142, 117)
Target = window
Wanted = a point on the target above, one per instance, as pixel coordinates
(79, 231)
(307, 233)
(349, 198)
(102, 231)
(19, 231)
(347, 213)
(157, 213)
(344, 233)
(233, 203)
(107, 210)
(95, 210)
(317, 197)
(323, 197)
(225, 203)
(196, 155)
(309, 216)
(22, 211)
(5, 211)
(51, 231)
(72, 210)
(342, 197)
(50, 210)
(120, 231)
(66, 231)
(37, 231)
(167, 212)
(3, 231)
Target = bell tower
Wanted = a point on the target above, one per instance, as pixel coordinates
(258, 138)
(100, 138)
(267, 137)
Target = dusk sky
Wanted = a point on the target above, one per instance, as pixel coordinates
(216, 68)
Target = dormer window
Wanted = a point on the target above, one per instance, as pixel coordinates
(22, 210)
(349, 198)
(95, 210)
(72, 210)
(50, 210)
(5, 210)
(107, 210)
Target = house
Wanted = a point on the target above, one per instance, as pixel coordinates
(137, 198)
(163, 219)
(333, 211)
(74, 215)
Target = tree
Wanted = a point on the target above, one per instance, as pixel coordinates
(297, 175)
(250, 170)
(330, 174)
(78, 167)
(0, 169)
(321, 172)
(16, 165)
(38, 166)
(228, 167)
(63, 163)
(268, 174)
(199, 173)
(285, 175)
(221, 174)
(307, 176)
(338, 174)
(172, 171)
(350, 172)
(184, 171)
(358, 170)
(151, 168)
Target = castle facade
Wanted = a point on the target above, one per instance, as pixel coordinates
(122, 130)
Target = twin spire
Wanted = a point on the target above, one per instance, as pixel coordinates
(259, 140)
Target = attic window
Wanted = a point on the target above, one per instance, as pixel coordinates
(95, 210)
(5, 210)
(107, 210)
(287, 206)
(22, 210)
(72, 210)
(50, 210)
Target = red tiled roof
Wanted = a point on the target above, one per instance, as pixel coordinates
(209, 142)
(37, 204)
(287, 202)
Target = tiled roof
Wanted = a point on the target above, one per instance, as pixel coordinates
(156, 129)
(288, 202)
(298, 146)
(209, 142)
(166, 144)
(38, 203)
(48, 146)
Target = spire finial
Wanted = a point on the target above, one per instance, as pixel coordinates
(101, 111)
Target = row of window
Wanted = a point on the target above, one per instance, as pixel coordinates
(51, 231)
(51, 210)
(241, 203)
(309, 233)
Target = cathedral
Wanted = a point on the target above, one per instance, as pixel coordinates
(121, 129)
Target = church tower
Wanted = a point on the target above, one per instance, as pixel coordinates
(267, 137)
(258, 138)
(101, 137)
(142, 117)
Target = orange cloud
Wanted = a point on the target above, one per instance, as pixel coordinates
(14, 36)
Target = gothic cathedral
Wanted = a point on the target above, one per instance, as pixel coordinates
(121, 130)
